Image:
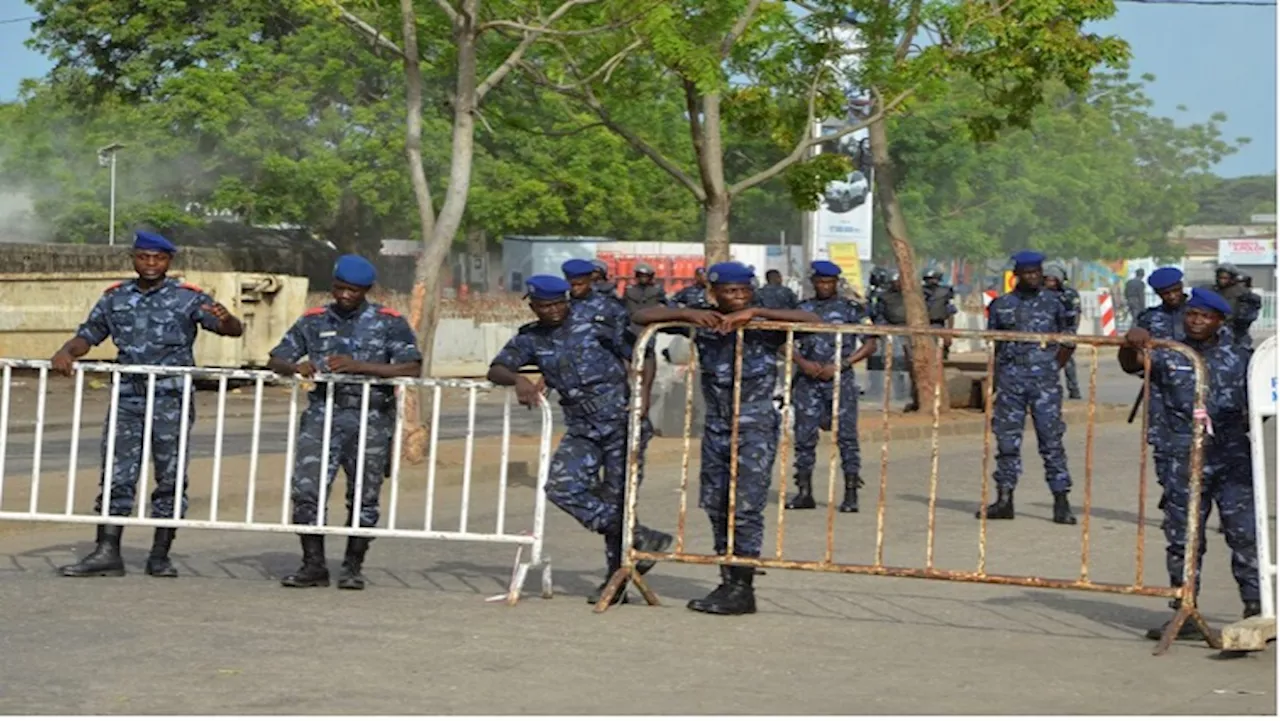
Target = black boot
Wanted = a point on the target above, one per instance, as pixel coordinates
(105, 559)
(804, 493)
(158, 564)
(1252, 608)
(1062, 510)
(1002, 508)
(313, 572)
(620, 597)
(350, 579)
(1189, 631)
(851, 486)
(649, 540)
(734, 597)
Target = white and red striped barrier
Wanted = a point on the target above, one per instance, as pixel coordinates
(1106, 312)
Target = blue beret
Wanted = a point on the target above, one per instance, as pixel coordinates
(576, 268)
(1026, 258)
(355, 270)
(1162, 278)
(547, 287)
(143, 240)
(731, 272)
(1208, 300)
(825, 269)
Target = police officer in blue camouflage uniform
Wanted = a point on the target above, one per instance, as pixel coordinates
(584, 296)
(152, 320)
(350, 336)
(814, 386)
(1227, 476)
(692, 296)
(1162, 322)
(584, 359)
(1026, 378)
(775, 295)
(1055, 280)
(733, 288)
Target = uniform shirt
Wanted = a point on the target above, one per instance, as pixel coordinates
(938, 301)
(1037, 311)
(821, 347)
(638, 297)
(1164, 324)
(693, 296)
(370, 334)
(154, 327)
(605, 287)
(1227, 400)
(890, 308)
(777, 297)
(584, 360)
(1070, 300)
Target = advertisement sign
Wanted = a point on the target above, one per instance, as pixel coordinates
(845, 255)
(1247, 251)
(844, 212)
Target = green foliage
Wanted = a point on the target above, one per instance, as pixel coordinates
(1094, 176)
(1230, 201)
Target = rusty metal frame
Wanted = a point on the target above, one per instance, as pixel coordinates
(1187, 612)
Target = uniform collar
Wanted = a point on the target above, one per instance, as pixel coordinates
(167, 282)
(359, 311)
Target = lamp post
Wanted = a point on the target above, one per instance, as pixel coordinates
(107, 158)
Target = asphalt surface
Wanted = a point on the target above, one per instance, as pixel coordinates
(226, 638)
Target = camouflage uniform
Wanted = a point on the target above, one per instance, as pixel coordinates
(155, 327)
(1027, 378)
(777, 297)
(1228, 470)
(693, 296)
(1163, 324)
(812, 398)
(372, 334)
(1070, 300)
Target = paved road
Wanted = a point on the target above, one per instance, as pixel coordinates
(226, 638)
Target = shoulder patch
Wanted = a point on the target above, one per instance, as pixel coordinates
(527, 328)
(390, 311)
(112, 287)
(191, 286)
(314, 311)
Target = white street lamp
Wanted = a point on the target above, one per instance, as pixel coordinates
(107, 158)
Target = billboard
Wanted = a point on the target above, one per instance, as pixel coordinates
(1247, 251)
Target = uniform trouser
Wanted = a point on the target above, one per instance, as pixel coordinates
(588, 476)
(1042, 396)
(812, 403)
(757, 447)
(1227, 480)
(344, 440)
(1073, 381)
(166, 428)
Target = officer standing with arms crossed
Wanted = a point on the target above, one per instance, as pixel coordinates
(814, 386)
(1026, 378)
(1162, 322)
(585, 360)
(1227, 475)
(1055, 280)
(732, 288)
(350, 336)
(152, 320)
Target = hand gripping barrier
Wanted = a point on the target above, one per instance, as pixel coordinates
(401, 519)
(1137, 586)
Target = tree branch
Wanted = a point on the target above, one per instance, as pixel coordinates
(530, 37)
(739, 27)
(909, 32)
(448, 10)
(354, 21)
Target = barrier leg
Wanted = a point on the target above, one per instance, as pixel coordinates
(1185, 614)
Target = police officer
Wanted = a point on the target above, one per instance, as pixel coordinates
(692, 296)
(1164, 322)
(585, 360)
(733, 287)
(1245, 304)
(644, 292)
(891, 309)
(583, 296)
(152, 320)
(775, 295)
(814, 386)
(350, 336)
(1026, 378)
(601, 280)
(1055, 280)
(1227, 476)
(939, 301)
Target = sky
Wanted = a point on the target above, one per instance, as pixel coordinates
(1208, 59)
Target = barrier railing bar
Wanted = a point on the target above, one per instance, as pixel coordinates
(1088, 467)
(4, 427)
(1140, 546)
(690, 377)
(255, 446)
(734, 435)
(506, 460)
(41, 391)
(988, 405)
(835, 461)
(219, 437)
(362, 434)
(148, 426)
(77, 410)
(397, 445)
(109, 465)
(883, 499)
(788, 439)
(184, 427)
(934, 452)
(431, 460)
(291, 437)
(468, 460)
(326, 438)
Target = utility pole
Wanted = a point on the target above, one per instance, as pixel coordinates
(107, 158)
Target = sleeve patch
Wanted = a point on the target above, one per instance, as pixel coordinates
(112, 287)
(314, 311)
(390, 311)
(191, 287)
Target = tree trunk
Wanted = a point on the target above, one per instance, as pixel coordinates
(924, 360)
(716, 242)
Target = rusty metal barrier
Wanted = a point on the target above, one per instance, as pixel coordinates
(1184, 593)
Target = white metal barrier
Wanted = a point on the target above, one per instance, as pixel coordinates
(395, 523)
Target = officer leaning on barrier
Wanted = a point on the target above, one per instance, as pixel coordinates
(584, 359)
(1055, 280)
(1163, 322)
(152, 320)
(1227, 470)
(939, 301)
(1026, 378)
(350, 336)
(732, 285)
(815, 359)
